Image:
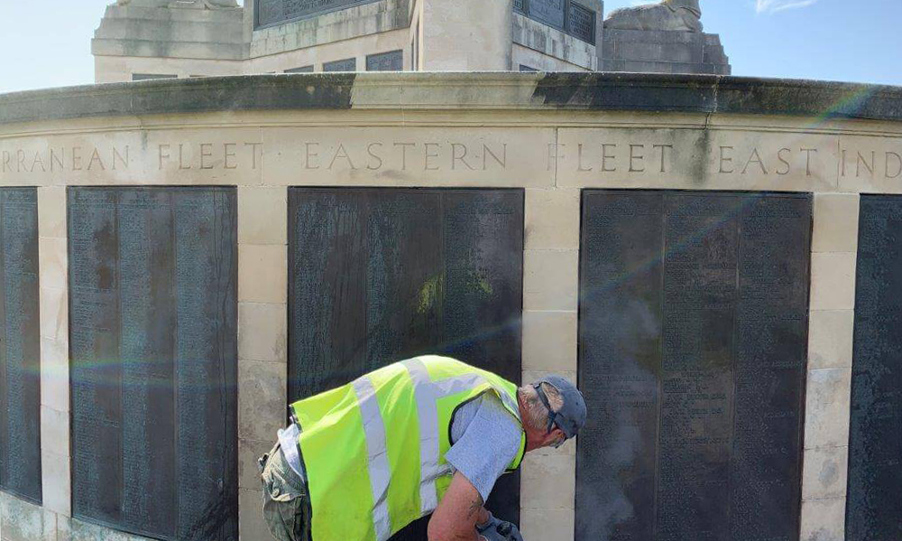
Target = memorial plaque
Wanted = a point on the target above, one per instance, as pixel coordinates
(304, 69)
(349, 64)
(550, 12)
(153, 274)
(381, 275)
(582, 23)
(693, 337)
(874, 508)
(271, 12)
(390, 61)
(20, 343)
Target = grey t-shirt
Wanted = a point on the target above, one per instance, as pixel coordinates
(485, 439)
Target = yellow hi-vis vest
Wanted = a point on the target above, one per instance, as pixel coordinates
(375, 449)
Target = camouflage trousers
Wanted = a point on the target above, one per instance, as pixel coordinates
(286, 502)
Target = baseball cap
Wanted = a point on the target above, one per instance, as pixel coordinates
(571, 416)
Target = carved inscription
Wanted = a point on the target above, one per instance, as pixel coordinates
(20, 398)
(270, 12)
(875, 448)
(154, 360)
(583, 157)
(390, 61)
(582, 22)
(550, 12)
(693, 327)
(381, 275)
(349, 64)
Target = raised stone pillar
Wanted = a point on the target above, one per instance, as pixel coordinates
(550, 301)
(54, 292)
(262, 342)
(467, 35)
(831, 325)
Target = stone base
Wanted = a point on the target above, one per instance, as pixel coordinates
(654, 51)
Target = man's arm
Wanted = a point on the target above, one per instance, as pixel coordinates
(459, 512)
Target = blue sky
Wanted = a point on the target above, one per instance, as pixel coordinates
(47, 43)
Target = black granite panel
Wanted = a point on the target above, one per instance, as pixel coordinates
(20, 342)
(381, 275)
(153, 312)
(693, 334)
(390, 61)
(874, 507)
(550, 12)
(304, 69)
(271, 12)
(349, 64)
(582, 23)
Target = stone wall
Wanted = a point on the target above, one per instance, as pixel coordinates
(551, 136)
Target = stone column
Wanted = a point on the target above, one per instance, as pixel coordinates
(833, 260)
(54, 293)
(262, 341)
(550, 293)
(467, 35)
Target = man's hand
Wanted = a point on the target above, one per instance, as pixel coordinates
(458, 513)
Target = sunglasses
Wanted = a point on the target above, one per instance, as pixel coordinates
(552, 416)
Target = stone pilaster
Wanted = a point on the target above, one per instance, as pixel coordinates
(54, 293)
(550, 301)
(833, 260)
(262, 341)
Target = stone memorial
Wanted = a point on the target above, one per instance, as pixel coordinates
(153, 276)
(666, 37)
(693, 328)
(875, 444)
(378, 276)
(20, 382)
(644, 234)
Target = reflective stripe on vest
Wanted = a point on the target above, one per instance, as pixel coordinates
(398, 455)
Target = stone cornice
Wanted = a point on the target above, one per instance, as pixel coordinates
(461, 91)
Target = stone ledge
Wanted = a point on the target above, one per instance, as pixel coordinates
(451, 91)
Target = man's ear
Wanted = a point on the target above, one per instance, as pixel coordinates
(555, 435)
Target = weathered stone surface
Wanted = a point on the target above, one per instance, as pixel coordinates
(594, 91)
(672, 15)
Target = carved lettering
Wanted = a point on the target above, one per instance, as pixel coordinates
(369, 150)
(605, 157)
(311, 156)
(898, 160)
(725, 160)
(229, 150)
(754, 158)
(204, 156)
(808, 152)
(783, 161)
(206, 151)
(341, 153)
(636, 157)
(664, 149)
(579, 154)
(95, 158)
(429, 155)
(862, 161)
(487, 151)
